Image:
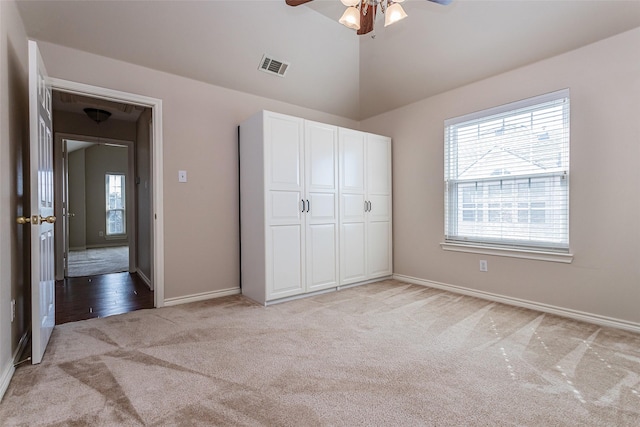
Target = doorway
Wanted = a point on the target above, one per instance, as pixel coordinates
(97, 203)
(138, 187)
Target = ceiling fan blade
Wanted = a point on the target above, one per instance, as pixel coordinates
(442, 2)
(366, 21)
(296, 2)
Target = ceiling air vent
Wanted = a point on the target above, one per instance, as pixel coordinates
(273, 66)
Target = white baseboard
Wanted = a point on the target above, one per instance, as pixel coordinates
(5, 379)
(8, 371)
(546, 308)
(201, 297)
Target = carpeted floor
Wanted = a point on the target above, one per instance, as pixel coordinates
(386, 353)
(92, 262)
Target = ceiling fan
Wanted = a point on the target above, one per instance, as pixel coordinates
(360, 14)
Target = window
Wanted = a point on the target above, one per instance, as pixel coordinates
(115, 203)
(507, 175)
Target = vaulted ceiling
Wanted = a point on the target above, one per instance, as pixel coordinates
(437, 48)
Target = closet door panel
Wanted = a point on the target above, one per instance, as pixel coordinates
(321, 256)
(352, 161)
(379, 249)
(284, 152)
(285, 270)
(285, 207)
(378, 165)
(353, 244)
(380, 207)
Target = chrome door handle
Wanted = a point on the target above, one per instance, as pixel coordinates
(308, 205)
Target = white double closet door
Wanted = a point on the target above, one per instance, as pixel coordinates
(365, 204)
(301, 207)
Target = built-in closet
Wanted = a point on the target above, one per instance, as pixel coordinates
(315, 206)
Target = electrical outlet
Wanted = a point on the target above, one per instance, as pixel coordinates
(484, 266)
(182, 176)
(100, 233)
(13, 310)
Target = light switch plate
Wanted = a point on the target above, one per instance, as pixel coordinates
(182, 176)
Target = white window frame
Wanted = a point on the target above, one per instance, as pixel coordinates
(123, 209)
(477, 200)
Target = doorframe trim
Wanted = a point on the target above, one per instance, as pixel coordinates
(157, 164)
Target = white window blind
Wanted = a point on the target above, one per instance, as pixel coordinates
(507, 175)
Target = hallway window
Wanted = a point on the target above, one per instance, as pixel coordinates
(115, 203)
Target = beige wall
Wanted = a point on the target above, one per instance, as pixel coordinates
(604, 278)
(77, 201)
(200, 124)
(14, 135)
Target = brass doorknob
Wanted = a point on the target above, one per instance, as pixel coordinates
(23, 220)
(50, 219)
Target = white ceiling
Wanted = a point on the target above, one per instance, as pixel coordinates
(437, 48)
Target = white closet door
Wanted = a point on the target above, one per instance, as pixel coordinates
(321, 213)
(378, 169)
(285, 234)
(353, 236)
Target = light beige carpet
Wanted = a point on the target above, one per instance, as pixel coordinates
(382, 354)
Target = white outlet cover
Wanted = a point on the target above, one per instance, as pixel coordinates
(182, 176)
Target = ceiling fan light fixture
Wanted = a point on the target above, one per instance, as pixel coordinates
(394, 13)
(350, 3)
(351, 18)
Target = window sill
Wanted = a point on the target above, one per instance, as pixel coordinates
(115, 237)
(565, 258)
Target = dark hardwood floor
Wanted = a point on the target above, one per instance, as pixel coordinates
(80, 298)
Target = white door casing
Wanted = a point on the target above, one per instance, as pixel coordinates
(41, 199)
(157, 168)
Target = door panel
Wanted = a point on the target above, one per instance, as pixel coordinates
(285, 207)
(284, 153)
(322, 208)
(321, 255)
(285, 277)
(378, 165)
(322, 152)
(380, 208)
(41, 200)
(352, 157)
(353, 244)
(352, 208)
(379, 246)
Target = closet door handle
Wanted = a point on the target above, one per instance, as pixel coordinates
(366, 206)
(302, 200)
(308, 205)
(369, 205)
